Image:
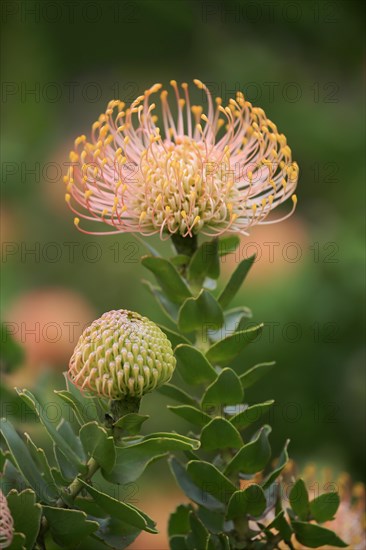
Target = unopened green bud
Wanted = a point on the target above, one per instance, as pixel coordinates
(120, 355)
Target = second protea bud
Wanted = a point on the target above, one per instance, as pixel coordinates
(121, 355)
(6, 523)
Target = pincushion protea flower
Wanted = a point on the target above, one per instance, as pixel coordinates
(6, 522)
(224, 170)
(120, 355)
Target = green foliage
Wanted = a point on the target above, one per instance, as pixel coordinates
(200, 313)
(314, 536)
(193, 366)
(223, 467)
(221, 511)
(12, 353)
(26, 513)
(299, 500)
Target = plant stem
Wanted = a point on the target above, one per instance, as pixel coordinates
(76, 486)
(185, 245)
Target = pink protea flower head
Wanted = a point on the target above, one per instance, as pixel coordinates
(224, 170)
(6, 522)
(120, 355)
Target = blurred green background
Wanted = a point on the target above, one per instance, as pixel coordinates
(300, 61)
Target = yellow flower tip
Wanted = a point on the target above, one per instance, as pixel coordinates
(234, 217)
(88, 194)
(173, 83)
(183, 214)
(67, 197)
(155, 88)
(74, 157)
(198, 83)
(76, 221)
(104, 212)
(142, 216)
(294, 199)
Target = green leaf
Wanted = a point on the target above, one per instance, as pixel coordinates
(168, 308)
(235, 281)
(2, 461)
(205, 263)
(228, 245)
(90, 507)
(250, 415)
(282, 461)
(174, 338)
(113, 533)
(26, 514)
(173, 392)
(234, 321)
(168, 278)
(18, 542)
(282, 526)
(191, 489)
(131, 422)
(247, 501)
(178, 542)
(210, 480)
(67, 469)
(199, 534)
(220, 434)
(24, 462)
(299, 499)
(131, 461)
(89, 408)
(254, 374)
(98, 445)
(12, 354)
(324, 507)
(180, 260)
(68, 526)
(200, 313)
(55, 435)
(75, 405)
(120, 510)
(191, 414)
(253, 457)
(227, 349)
(179, 520)
(40, 458)
(214, 521)
(313, 536)
(66, 431)
(193, 366)
(192, 443)
(225, 390)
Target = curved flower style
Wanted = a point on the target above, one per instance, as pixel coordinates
(6, 522)
(221, 171)
(121, 354)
